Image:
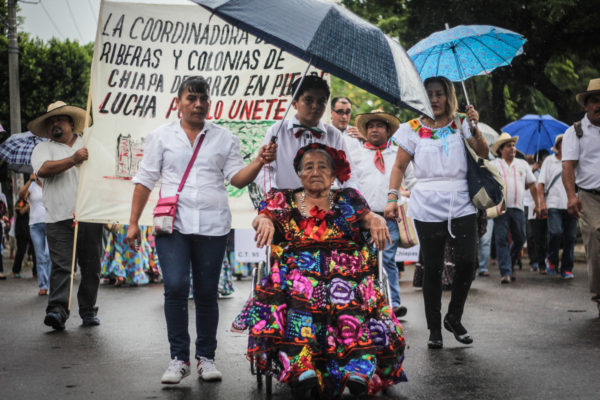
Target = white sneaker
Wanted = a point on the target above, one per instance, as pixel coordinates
(176, 371)
(207, 370)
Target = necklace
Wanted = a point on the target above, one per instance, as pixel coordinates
(438, 123)
(303, 205)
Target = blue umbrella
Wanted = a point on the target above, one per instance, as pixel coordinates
(331, 38)
(17, 149)
(465, 51)
(535, 132)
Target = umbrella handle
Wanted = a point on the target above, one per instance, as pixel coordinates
(472, 125)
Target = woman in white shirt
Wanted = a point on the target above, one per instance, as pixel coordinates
(202, 222)
(439, 202)
(32, 192)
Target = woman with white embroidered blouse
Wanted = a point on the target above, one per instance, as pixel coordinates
(439, 202)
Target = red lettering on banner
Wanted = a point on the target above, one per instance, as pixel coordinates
(172, 107)
(255, 110)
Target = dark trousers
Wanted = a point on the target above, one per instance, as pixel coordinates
(433, 237)
(22, 242)
(60, 243)
(537, 232)
(176, 253)
(562, 229)
(1, 241)
(512, 221)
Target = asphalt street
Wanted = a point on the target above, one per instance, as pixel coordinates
(536, 338)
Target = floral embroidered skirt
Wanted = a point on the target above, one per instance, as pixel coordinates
(134, 267)
(322, 310)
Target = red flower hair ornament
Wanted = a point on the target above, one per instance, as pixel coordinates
(341, 165)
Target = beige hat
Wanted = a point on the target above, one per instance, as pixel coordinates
(593, 87)
(362, 120)
(557, 140)
(503, 138)
(38, 126)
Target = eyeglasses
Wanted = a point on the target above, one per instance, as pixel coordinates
(342, 112)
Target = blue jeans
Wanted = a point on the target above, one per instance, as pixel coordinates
(512, 221)
(485, 244)
(562, 227)
(389, 262)
(42, 254)
(205, 254)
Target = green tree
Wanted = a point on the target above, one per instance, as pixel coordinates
(48, 71)
(560, 56)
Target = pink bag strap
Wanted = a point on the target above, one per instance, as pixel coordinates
(191, 163)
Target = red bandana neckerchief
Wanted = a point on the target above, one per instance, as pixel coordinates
(379, 164)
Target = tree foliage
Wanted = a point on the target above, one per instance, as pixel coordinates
(560, 57)
(48, 71)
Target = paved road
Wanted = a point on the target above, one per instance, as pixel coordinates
(538, 338)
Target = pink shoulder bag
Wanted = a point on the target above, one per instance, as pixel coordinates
(166, 207)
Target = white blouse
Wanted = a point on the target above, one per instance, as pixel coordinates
(203, 207)
(37, 212)
(440, 169)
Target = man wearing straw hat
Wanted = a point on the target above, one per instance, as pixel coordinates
(373, 167)
(581, 167)
(57, 163)
(518, 177)
(562, 227)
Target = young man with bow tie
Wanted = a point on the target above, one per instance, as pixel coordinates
(305, 127)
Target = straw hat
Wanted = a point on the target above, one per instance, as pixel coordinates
(557, 140)
(593, 87)
(362, 120)
(38, 126)
(503, 138)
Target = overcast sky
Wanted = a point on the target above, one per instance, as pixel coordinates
(72, 19)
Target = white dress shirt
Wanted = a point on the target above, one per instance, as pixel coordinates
(441, 192)
(59, 191)
(203, 207)
(372, 184)
(557, 195)
(517, 177)
(355, 147)
(586, 151)
(280, 173)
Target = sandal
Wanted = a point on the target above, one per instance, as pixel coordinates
(459, 331)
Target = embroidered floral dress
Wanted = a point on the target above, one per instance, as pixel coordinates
(321, 307)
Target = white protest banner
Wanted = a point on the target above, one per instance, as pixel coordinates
(141, 55)
(245, 247)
